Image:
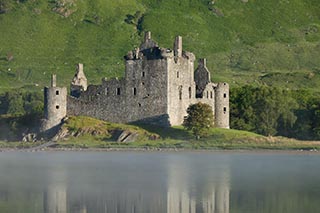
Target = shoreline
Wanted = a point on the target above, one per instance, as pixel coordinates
(162, 150)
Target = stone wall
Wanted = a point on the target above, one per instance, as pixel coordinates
(181, 87)
(158, 87)
(140, 96)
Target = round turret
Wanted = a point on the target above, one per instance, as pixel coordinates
(222, 111)
(55, 105)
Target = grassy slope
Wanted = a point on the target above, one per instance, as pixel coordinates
(93, 133)
(273, 42)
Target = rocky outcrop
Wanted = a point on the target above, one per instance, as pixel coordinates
(102, 130)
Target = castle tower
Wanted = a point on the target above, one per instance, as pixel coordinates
(201, 77)
(55, 105)
(79, 82)
(222, 106)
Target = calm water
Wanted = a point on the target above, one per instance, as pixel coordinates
(194, 182)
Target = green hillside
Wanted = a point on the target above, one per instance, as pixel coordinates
(274, 42)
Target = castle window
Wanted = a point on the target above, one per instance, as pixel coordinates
(106, 91)
(224, 95)
(180, 92)
(57, 92)
(143, 74)
(211, 96)
(189, 92)
(139, 105)
(134, 91)
(118, 91)
(57, 106)
(224, 110)
(177, 74)
(207, 94)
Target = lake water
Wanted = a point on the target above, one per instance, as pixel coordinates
(188, 182)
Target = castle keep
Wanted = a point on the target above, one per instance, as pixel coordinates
(158, 87)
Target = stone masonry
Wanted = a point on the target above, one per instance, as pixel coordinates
(158, 87)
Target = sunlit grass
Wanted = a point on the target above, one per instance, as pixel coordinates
(249, 40)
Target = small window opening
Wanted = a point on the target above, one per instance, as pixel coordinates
(118, 91)
(190, 93)
(207, 94)
(57, 106)
(142, 83)
(180, 93)
(177, 74)
(139, 105)
(57, 92)
(143, 74)
(134, 91)
(225, 95)
(224, 110)
(211, 95)
(106, 91)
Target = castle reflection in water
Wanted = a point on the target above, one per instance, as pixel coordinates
(180, 193)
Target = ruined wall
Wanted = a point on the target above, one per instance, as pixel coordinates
(222, 110)
(79, 82)
(201, 77)
(140, 96)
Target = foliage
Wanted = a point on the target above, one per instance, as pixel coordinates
(19, 102)
(135, 20)
(199, 119)
(273, 111)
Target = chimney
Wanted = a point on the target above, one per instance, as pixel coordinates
(53, 80)
(147, 36)
(178, 46)
(203, 62)
(80, 67)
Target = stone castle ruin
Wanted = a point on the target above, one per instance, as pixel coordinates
(158, 87)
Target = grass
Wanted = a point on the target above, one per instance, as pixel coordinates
(171, 138)
(90, 133)
(242, 43)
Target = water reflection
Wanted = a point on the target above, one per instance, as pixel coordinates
(55, 196)
(158, 183)
(178, 185)
(210, 196)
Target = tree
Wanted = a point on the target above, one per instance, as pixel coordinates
(199, 119)
(265, 110)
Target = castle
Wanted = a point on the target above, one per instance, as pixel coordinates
(158, 87)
